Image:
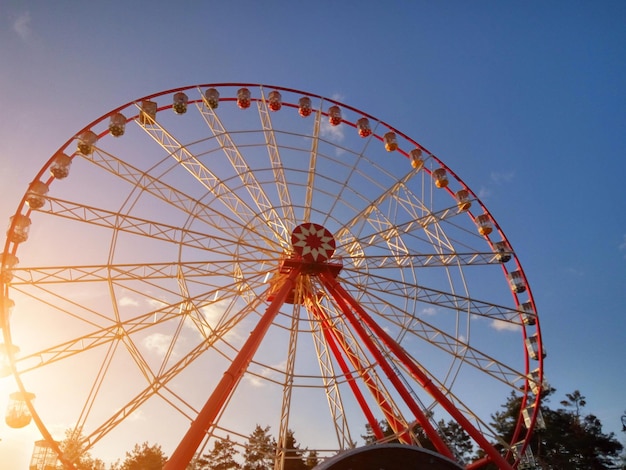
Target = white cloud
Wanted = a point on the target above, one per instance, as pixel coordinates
(483, 193)
(502, 177)
(504, 326)
(22, 25)
(429, 311)
(332, 133)
(128, 302)
(158, 343)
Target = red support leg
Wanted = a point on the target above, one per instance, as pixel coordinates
(339, 292)
(189, 444)
(345, 300)
(333, 337)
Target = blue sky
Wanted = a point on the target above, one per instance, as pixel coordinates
(525, 101)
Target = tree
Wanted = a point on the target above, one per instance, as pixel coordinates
(457, 439)
(570, 440)
(294, 456)
(73, 447)
(312, 460)
(370, 438)
(222, 457)
(142, 457)
(574, 400)
(259, 450)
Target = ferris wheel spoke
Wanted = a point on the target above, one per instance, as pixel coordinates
(263, 204)
(414, 227)
(114, 330)
(424, 260)
(313, 154)
(168, 194)
(146, 228)
(229, 199)
(159, 383)
(447, 342)
(282, 187)
(373, 208)
(128, 272)
(456, 303)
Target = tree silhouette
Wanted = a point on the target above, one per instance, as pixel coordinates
(142, 457)
(294, 456)
(74, 450)
(221, 457)
(570, 441)
(259, 450)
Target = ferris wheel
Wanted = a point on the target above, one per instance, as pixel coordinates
(215, 257)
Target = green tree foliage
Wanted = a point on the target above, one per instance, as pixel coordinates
(453, 434)
(570, 440)
(259, 450)
(457, 440)
(388, 433)
(294, 456)
(221, 457)
(142, 457)
(312, 460)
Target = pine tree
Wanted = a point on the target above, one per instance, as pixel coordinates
(570, 441)
(260, 450)
(143, 457)
(312, 460)
(222, 457)
(294, 456)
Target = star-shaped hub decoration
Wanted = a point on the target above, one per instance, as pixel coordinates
(313, 243)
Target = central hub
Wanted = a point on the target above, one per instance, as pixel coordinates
(313, 243)
(313, 247)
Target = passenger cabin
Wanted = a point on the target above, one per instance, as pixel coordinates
(8, 306)
(441, 177)
(516, 282)
(86, 142)
(528, 313)
(6, 351)
(60, 166)
(117, 124)
(36, 195)
(21, 226)
(9, 261)
(243, 98)
(334, 115)
(463, 200)
(416, 158)
(17, 414)
(304, 106)
(537, 385)
(44, 457)
(532, 347)
(275, 100)
(527, 414)
(503, 252)
(484, 224)
(391, 142)
(179, 104)
(363, 127)
(148, 112)
(212, 98)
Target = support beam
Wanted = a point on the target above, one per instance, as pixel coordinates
(198, 429)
